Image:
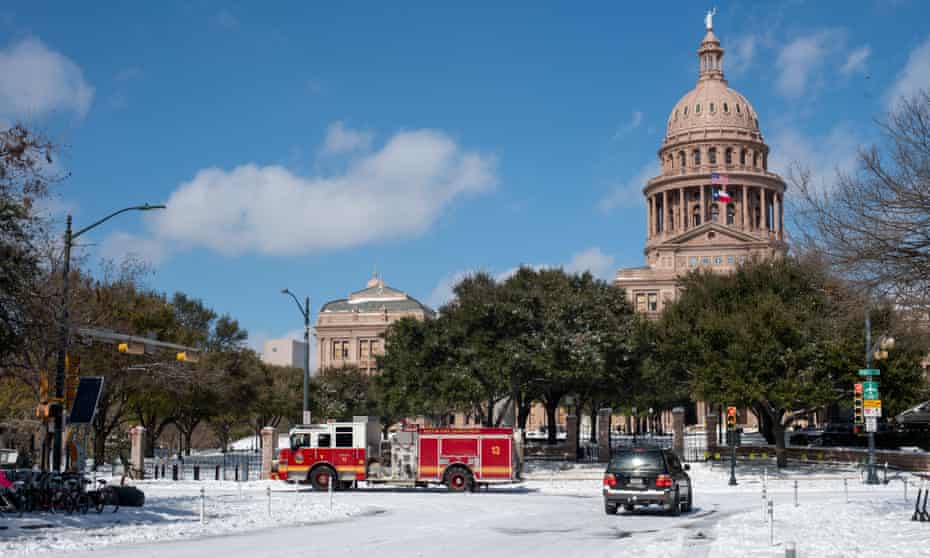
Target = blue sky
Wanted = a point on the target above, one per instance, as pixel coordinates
(304, 145)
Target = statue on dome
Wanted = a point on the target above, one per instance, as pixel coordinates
(709, 18)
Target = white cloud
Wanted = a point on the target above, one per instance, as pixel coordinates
(120, 245)
(822, 155)
(914, 77)
(856, 60)
(340, 139)
(740, 54)
(397, 191)
(598, 263)
(38, 81)
(635, 120)
(630, 194)
(802, 57)
(442, 292)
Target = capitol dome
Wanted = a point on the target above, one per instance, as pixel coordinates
(712, 104)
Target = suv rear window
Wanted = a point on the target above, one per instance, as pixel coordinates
(637, 461)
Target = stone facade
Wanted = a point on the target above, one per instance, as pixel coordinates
(348, 330)
(711, 130)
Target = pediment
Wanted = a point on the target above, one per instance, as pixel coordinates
(701, 236)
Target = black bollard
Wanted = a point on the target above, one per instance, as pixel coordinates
(216, 475)
(174, 472)
(155, 471)
(196, 472)
(237, 471)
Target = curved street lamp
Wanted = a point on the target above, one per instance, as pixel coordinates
(305, 312)
(63, 328)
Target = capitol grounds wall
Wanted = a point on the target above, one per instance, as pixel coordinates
(899, 460)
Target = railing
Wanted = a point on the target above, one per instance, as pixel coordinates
(232, 465)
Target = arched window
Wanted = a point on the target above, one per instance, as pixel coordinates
(737, 109)
(726, 108)
(731, 213)
(712, 155)
(696, 216)
(755, 160)
(765, 161)
(681, 159)
(686, 111)
(713, 109)
(697, 157)
(714, 213)
(697, 109)
(742, 157)
(728, 156)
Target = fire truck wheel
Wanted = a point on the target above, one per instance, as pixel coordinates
(321, 477)
(459, 479)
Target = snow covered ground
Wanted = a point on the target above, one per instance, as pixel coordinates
(556, 511)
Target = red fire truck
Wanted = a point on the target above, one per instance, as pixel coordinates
(345, 452)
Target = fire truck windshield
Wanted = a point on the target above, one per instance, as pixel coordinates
(300, 441)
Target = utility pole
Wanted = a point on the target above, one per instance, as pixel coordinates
(873, 474)
(63, 329)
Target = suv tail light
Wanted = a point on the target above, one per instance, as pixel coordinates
(610, 481)
(664, 481)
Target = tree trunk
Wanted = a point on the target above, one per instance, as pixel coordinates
(592, 435)
(489, 422)
(523, 415)
(552, 406)
(766, 426)
(187, 441)
(781, 456)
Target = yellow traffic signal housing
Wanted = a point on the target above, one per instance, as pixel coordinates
(184, 356)
(42, 411)
(731, 417)
(131, 348)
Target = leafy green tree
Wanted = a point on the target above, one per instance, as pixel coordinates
(759, 337)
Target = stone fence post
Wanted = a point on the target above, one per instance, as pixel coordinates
(571, 438)
(603, 434)
(269, 439)
(136, 452)
(678, 431)
(710, 423)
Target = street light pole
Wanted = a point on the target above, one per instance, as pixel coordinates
(64, 328)
(305, 312)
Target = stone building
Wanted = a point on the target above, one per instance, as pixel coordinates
(712, 130)
(285, 352)
(348, 330)
(715, 204)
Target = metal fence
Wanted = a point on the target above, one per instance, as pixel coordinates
(232, 465)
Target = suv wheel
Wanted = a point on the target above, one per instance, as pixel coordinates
(610, 509)
(690, 502)
(675, 505)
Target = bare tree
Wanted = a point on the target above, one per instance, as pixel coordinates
(873, 224)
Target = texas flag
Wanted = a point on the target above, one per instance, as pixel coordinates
(720, 195)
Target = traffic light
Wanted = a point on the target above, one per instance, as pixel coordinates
(131, 348)
(731, 417)
(184, 356)
(857, 404)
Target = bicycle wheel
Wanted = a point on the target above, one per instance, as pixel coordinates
(82, 502)
(113, 498)
(62, 502)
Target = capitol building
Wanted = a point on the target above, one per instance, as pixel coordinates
(715, 204)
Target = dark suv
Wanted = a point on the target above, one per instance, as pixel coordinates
(644, 476)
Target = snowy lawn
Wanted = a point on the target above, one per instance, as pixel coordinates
(172, 512)
(556, 511)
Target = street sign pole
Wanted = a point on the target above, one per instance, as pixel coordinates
(873, 474)
(731, 434)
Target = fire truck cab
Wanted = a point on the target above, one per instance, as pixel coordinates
(345, 452)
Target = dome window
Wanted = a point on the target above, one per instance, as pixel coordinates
(676, 114)
(697, 109)
(726, 108)
(712, 155)
(713, 109)
(681, 159)
(737, 109)
(686, 111)
(697, 157)
(742, 157)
